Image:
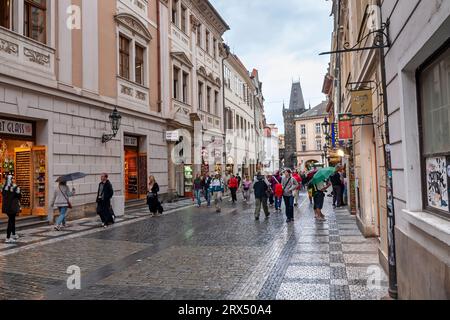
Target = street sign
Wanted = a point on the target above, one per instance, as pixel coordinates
(173, 136)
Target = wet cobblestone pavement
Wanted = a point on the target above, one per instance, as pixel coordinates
(198, 254)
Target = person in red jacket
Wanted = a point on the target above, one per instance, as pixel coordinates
(233, 185)
(297, 177)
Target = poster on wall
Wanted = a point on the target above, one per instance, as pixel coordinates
(437, 183)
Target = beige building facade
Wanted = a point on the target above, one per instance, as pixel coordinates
(63, 70)
(192, 94)
(415, 243)
(310, 137)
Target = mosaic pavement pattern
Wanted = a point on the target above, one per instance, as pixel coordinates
(192, 253)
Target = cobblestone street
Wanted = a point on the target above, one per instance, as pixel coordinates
(192, 253)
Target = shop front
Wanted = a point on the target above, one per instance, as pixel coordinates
(135, 169)
(26, 162)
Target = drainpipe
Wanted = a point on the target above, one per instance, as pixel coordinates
(392, 261)
(225, 120)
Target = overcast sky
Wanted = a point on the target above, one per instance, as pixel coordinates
(282, 39)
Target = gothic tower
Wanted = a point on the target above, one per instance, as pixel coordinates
(296, 108)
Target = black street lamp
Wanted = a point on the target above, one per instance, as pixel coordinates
(115, 119)
(326, 128)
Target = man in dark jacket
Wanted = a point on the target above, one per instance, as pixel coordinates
(104, 195)
(261, 189)
(336, 181)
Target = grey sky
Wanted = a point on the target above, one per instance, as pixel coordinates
(282, 39)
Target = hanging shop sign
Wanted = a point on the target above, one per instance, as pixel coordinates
(16, 128)
(362, 102)
(130, 141)
(345, 127)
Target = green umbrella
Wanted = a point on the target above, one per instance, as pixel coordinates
(323, 174)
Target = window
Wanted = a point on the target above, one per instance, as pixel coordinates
(253, 133)
(139, 64)
(175, 12)
(200, 95)
(216, 103)
(124, 52)
(227, 77)
(304, 146)
(318, 145)
(207, 39)
(6, 13)
(434, 85)
(215, 48)
(199, 35)
(35, 20)
(183, 19)
(303, 129)
(318, 128)
(208, 99)
(185, 87)
(176, 83)
(237, 124)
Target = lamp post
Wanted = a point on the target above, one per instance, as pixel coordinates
(115, 119)
(326, 128)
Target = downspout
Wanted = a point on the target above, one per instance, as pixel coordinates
(158, 22)
(392, 259)
(225, 123)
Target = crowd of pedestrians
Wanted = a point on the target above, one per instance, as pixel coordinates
(270, 191)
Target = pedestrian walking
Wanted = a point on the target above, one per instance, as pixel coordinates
(154, 205)
(11, 196)
(336, 181)
(239, 179)
(261, 190)
(319, 198)
(278, 191)
(104, 195)
(198, 189)
(296, 192)
(206, 185)
(233, 185)
(271, 196)
(289, 185)
(217, 188)
(246, 186)
(61, 201)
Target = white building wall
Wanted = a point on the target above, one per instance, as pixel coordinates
(422, 239)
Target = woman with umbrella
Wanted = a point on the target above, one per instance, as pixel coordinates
(62, 203)
(320, 184)
(61, 197)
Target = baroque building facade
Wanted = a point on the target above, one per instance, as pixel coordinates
(192, 100)
(60, 79)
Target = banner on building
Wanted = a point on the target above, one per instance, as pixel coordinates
(361, 102)
(345, 127)
(334, 135)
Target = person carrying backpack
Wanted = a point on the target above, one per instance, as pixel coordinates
(217, 188)
(261, 189)
(206, 185)
(278, 192)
